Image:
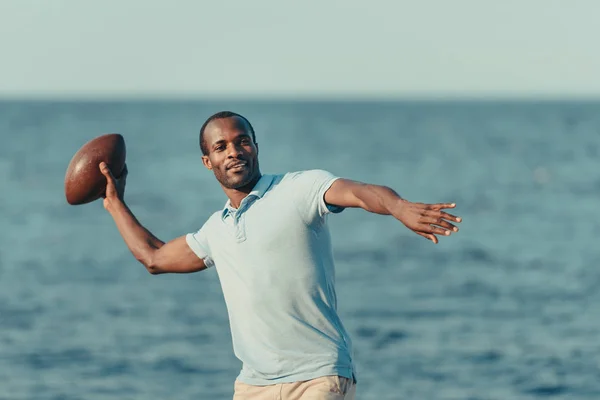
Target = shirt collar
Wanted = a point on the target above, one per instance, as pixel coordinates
(259, 190)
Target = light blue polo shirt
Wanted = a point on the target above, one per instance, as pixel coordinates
(274, 260)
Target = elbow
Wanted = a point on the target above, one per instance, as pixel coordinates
(149, 263)
(152, 269)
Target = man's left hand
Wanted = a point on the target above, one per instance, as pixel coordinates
(427, 220)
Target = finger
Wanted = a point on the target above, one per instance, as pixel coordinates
(434, 207)
(440, 206)
(428, 236)
(106, 172)
(435, 229)
(444, 215)
(124, 173)
(440, 222)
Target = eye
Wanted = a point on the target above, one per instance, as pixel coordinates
(219, 148)
(245, 140)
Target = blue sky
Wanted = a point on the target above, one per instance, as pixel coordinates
(307, 48)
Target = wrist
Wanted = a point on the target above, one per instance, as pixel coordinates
(397, 207)
(114, 205)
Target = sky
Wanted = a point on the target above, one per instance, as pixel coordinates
(307, 48)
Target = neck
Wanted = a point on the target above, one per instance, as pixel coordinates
(237, 195)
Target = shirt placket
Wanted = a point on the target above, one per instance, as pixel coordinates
(240, 221)
(240, 226)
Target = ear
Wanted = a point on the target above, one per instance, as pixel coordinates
(206, 162)
(256, 144)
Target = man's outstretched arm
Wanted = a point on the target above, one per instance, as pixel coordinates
(427, 220)
(158, 257)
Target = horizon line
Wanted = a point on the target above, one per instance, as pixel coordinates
(291, 98)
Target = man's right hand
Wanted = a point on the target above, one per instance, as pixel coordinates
(115, 188)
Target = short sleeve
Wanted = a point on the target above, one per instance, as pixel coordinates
(311, 187)
(198, 242)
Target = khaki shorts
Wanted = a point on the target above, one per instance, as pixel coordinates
(323, 388)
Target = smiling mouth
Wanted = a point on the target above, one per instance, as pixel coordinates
(237, 166)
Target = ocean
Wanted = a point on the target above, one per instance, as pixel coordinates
(508, 308)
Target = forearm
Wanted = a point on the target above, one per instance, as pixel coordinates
(141, 242)
(376, 199)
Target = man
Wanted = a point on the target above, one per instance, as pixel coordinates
(271, 248)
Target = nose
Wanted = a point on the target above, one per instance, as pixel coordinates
(234, 151)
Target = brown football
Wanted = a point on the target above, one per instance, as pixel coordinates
(84, 182)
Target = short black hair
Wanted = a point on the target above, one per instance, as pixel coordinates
(222, 115)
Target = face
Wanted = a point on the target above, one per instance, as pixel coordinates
(232, 153)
